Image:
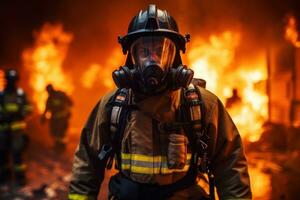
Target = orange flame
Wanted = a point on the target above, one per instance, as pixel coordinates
(44, 62)
(90, 76)
(97, 72)
(2, 80)
(291, 33)
(214, 61)
(260, 182)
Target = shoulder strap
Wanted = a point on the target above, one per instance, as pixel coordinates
(193, 113)
(120, 106)
(194, 109)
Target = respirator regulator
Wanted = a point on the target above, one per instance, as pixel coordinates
(152, 70)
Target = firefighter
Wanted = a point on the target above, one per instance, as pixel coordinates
(235, 99)
(160, 131)
(58, 106)
(14, 107)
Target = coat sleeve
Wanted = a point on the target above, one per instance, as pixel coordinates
(88, 170)
(229, 164)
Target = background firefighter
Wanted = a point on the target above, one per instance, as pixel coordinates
(58, 105)
(161, 130)
(14, 107)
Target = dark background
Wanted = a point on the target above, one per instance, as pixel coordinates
(96, 24)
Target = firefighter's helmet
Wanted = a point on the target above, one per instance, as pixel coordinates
(153, 22)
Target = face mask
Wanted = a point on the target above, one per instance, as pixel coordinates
(153, 57)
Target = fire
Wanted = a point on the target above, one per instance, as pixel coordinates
(260, 182)
(209, 58)
(90, 76)
(96, 72)
(214, 61)
(2, 80)
(291, 33)
(44, 62)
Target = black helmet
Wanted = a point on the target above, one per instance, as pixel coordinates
(11, 74)
(153, 22)
(49, 88)
(153, 46)
(11, 77)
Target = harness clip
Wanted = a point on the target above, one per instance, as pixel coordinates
(105, 152)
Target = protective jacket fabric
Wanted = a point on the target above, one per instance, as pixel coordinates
(226, 153)
(59, 105)
(14, 107)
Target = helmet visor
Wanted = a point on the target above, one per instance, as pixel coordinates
(157, 50)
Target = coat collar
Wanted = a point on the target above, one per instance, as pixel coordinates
(161, 107)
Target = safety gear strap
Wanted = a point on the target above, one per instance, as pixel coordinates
(195, 112)
(20, 168)
(121, 104)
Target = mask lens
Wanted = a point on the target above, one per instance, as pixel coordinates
(156, 50)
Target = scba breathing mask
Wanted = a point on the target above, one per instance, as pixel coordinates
(153, 70)
(152, 57)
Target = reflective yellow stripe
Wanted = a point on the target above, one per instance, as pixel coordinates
(61, 114)
(28, 108)
(140, 157)
(144, 164)
(145, 158)
(20, 168)
(17, 125)
(141, 170)
(56, 102)
(149, 170)
(80, 197)
(11, 107)
(13, 126)
(166, 170)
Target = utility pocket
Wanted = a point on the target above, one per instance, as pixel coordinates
(177, 151)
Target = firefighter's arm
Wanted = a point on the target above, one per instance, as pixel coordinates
(229, 164)
(88, 170)
(1, 106)
(46, 108)
(27, 107)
